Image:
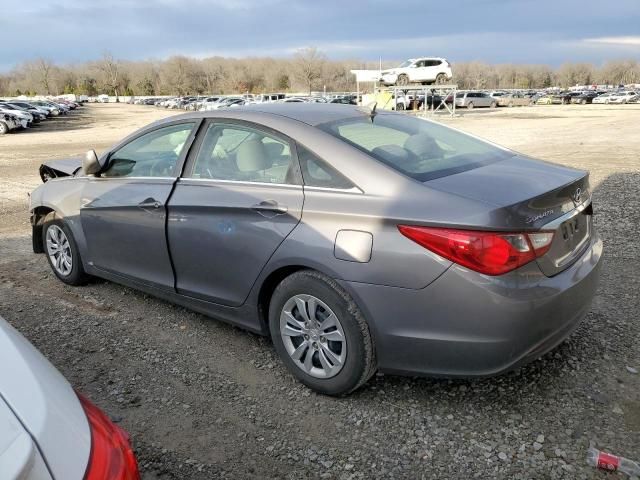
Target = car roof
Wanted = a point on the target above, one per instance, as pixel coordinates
(310, 113)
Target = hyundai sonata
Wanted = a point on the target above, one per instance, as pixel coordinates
(358, 240)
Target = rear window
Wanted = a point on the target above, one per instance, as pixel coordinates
(417, 148)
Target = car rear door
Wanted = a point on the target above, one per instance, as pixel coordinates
(123, 212)
(239, 197)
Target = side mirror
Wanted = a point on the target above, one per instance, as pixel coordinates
(91, 164)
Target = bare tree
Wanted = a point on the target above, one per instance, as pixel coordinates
(308, 65)
(110, 68)
(43, 68)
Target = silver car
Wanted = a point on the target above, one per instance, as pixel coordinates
(47, 431)
(358, 240)
(471, 100)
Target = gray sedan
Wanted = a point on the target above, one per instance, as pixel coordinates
(358, 240)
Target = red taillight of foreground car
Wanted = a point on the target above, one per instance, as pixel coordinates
(111, 456)
(491, 253)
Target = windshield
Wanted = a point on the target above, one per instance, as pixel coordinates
(417, 148)
(405, 64)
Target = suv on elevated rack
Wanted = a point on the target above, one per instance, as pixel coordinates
(425, 70)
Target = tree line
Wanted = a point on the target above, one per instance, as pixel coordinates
(307, 70)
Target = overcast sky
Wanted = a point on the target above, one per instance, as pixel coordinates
(496, 31)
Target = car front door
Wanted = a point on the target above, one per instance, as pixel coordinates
(123, 213)
(238, 199)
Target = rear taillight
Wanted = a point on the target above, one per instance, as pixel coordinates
(111, 456)
(491, 253)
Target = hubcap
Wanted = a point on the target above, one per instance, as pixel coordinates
(313, 336)
(59, 250)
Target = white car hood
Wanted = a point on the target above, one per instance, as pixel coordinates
(45, 404)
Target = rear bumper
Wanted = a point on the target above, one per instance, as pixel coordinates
(466, 324)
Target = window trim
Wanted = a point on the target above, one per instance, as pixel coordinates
(190, 161)
(354, 188)
(134, 136)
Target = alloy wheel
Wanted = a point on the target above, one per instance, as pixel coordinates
(313, 336)
(59, 250)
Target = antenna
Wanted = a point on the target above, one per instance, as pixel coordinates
(373, 111)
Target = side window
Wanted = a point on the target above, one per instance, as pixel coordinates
(239, 153)
(317, 173)
(154, 154)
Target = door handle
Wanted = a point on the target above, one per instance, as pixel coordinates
(269, 207)
(150, 203)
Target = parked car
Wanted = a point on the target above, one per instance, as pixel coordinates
(426, 70)
(21, 113)
(358, 240)
(48, 431)
(53, 110)
(34, 110)
(585, 97)
(8, 123)
(222, 103)
(470, 100)
(514, 100)
(604, 98)
(345, 100)
(623, 97)
(269, 97)
(25, 118)
(545, 99)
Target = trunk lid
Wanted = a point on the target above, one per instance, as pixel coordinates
(531, 195)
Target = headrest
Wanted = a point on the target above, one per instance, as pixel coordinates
(393, 154)
(252, 156)
(423, 145)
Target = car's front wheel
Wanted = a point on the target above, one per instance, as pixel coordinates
(62, 251)
(470, 106)
(3, 128)
(320, 334)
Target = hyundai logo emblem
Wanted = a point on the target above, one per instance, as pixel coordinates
(577, 196)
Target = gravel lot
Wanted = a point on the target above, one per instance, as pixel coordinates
(204, 400)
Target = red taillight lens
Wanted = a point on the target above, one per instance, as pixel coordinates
(111, 456)
(491, 253)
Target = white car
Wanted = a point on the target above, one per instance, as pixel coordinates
(49, 432)
(623, 97)
(425, 70)
(25, 118)
(604, 98)
(222, 103)
(7, 123)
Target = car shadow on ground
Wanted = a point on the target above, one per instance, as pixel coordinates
(74, 120)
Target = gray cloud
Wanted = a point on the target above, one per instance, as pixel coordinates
(525, 31)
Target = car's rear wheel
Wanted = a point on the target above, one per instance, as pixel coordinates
(62, 251)
(403, 80)
(583, 101)
(441, 78)
(400, 106)
(493, 105)
(470, 105)
(320, 334)
(3, 128)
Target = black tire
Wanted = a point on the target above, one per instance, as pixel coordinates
(470, 106)
(4, 128)
(400, 106)
(441, 79)
(360, 362)
(402, 80)
(493, 105)
(77, 276)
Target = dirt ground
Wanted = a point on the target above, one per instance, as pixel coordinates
(204, 400)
